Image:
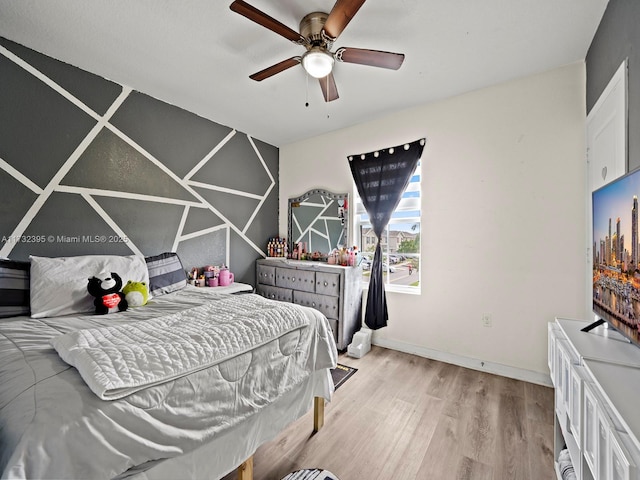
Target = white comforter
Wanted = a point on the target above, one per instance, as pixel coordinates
(53, 426)
(119, 360)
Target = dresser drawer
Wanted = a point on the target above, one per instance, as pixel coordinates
(275, 293)
(327, 305)
(328, 283)
(266, 274)
(296, 279)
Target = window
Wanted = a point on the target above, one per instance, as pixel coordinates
(400, 241)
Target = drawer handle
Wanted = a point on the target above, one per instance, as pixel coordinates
(313, 304)
(293, 279)
(273, 295)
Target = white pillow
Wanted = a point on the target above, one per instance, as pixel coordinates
(59, 284)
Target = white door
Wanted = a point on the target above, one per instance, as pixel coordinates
(606, 149)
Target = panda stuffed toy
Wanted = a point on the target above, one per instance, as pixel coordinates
(106, 290)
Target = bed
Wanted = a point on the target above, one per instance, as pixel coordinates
(187, 386)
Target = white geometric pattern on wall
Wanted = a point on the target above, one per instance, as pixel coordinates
(98, 170)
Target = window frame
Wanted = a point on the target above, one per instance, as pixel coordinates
(409, 211)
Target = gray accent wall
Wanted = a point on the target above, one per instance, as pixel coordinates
(618, 38)
(88, 166)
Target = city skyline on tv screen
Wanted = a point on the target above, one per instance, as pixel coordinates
(616, 254)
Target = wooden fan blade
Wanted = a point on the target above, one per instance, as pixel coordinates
(340, 16)
(374, 58)
(329, 89)
(273, 69)
(261, 18)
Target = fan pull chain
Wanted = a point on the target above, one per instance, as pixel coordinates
(328, 93)
(306, 103)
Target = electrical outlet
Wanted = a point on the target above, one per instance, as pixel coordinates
(486, 320)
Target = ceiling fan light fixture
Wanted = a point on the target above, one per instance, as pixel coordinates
(317, 62)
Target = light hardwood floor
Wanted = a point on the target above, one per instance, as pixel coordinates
(404, 417)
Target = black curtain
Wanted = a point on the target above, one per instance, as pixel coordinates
(381, 178)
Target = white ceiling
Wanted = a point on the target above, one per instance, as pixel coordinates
(198, 54)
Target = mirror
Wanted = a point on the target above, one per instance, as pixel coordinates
(319, 218)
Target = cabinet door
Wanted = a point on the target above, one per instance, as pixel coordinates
(622, 465)
(564, 372)
(602, 445)
(590, 427)
(575, 400)
(559, 368)
(551, 349)
(607, 132)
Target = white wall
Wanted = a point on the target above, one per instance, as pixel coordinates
(503, 226)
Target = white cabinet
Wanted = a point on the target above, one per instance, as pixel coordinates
(578, 378)
(622, 455)
(604, 426)
(596, 376)
(590, 447)
(567, 381)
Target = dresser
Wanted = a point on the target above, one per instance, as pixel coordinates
(334, 290)
(596, 376)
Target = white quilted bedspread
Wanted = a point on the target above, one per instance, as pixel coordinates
(118, 360)
(52, 425)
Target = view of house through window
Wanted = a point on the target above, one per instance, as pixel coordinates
(400, 241)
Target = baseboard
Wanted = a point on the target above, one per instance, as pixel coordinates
(467, 362)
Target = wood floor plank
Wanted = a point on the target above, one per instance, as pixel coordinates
(538, 398)
(443, 380)
(444, 454)
(378, 443)
(541, 461)
(480, 434)
(421, 372)
(512, 448)
(460, 390)
(511, 386)
(411, 418)
(408, 452)
(470, 469)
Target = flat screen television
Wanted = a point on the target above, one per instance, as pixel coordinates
(616, 255)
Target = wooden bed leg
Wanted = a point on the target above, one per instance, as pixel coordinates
(318, 413)
(245, 471)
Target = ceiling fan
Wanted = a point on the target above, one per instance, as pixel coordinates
(318, 32)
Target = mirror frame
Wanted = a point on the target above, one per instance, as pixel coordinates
(329, 195)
